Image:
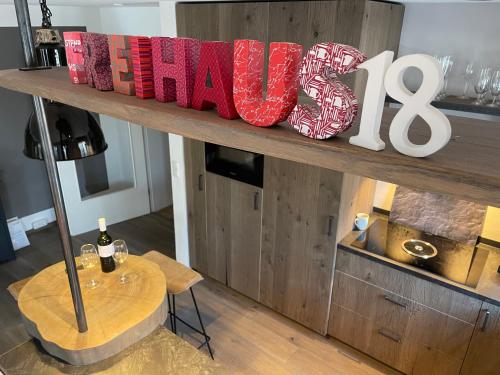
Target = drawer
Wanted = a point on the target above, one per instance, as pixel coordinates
(403, 352)
(409, 286)
(372, 302)
(363, 334)
(406, 318)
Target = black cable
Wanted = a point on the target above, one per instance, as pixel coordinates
(46, 14)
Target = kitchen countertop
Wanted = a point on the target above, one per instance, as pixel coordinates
(487, 288)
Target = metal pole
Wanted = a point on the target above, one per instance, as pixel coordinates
(24, 23)
(62, 222)
(50, 163)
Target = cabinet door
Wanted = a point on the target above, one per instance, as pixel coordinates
(234, 219)
(243, 260)
(218, 225)
(299, 224)
(194, 154)
(483, 356)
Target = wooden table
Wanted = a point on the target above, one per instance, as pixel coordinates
(118, 315)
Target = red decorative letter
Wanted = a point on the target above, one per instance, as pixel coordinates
(282, 81)
(216, 63)
(142, 61)
(121, 64)
(337, 104)
(97, 64)
(174, 64)
(74, 56)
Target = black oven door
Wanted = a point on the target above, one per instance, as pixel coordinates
(244, 166)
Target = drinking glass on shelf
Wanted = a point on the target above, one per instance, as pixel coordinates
(90, 259)
(470, 69)
(446, 63)
(482, 84)
(495, 88)
(120, 256)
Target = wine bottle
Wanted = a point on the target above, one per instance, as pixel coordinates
(105, 248)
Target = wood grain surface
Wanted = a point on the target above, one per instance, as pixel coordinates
(467, 167)
(430, 294)
(482, 356)
(417, 327)
(117, 314)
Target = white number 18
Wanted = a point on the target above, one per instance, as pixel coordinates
(385, 76)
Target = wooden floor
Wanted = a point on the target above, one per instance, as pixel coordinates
(247, 338)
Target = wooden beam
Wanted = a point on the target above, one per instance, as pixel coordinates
(468, 167)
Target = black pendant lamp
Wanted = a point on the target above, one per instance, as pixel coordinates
(74, 132)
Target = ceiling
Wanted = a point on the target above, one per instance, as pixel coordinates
(153, 2)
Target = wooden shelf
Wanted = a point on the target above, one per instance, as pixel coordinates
(468, 167)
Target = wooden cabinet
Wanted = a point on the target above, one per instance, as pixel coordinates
(305, 210)
(371, 26)
(411, 324)
(483, 356)
(234, 221)
(225, 221)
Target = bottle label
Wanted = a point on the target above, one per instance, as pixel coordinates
(106, 251)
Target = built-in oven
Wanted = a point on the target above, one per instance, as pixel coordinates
(244, 166)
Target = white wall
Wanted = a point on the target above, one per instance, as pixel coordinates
(168, 28)
(468, 32)
(137, 20)
(62, 16)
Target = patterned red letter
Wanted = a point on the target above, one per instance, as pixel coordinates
(337, 104)
(97, 64)
(174, 64)
(282, 81)
(142, 60)
(121, 64)
(216, 63)
(74, 56)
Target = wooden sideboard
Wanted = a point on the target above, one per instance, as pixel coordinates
(412, 324)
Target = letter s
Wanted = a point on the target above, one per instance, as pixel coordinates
(337, 104)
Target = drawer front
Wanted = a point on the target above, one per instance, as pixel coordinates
(401, 351)
(365, 335)
(372, 302)
(408, 286)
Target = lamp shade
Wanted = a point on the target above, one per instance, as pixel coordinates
(75, 134)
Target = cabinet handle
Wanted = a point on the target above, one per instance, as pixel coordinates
(485, 321)
(200, 182)
(331, 219)
(391, 300)
(389, 335)
(256, 201)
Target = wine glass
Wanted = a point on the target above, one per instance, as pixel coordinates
(120, 256)
(470, 69)
(90, 259)
(495, 88)
(446, 63)
(482, 84)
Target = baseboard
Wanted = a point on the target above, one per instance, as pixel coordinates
(48, 215)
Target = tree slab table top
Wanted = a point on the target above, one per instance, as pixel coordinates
(118, 315)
